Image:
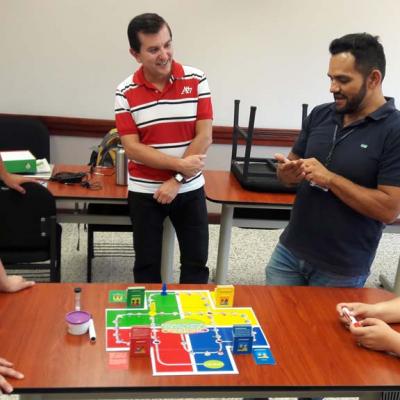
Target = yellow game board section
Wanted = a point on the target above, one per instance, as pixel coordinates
(231, 316)
(195, 301)
(199, 305)
(196, 305)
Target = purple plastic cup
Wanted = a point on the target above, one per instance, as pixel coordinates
(78, 322)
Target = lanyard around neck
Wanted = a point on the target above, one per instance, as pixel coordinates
(335, 142)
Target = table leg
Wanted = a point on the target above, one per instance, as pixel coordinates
(167, 255)
(224, 243)
(395, 288)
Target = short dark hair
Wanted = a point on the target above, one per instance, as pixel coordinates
(366, 49)
(146, 23)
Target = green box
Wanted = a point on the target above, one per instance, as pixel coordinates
(135, 297)
(20, 162)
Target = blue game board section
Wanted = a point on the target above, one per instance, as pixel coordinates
(260, 339)
(202, 360)
(205, 349)
(206, 341)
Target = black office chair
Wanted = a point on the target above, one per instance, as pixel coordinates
(30, 238)
(17, 133)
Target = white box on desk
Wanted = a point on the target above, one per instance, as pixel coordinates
(20, 161)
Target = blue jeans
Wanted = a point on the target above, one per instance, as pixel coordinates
(285, 269)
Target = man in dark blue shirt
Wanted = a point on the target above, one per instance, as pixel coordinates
(346, 162)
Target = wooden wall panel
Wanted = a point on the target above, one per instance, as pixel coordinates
(90, 127)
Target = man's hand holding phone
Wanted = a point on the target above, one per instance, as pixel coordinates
(290, 172)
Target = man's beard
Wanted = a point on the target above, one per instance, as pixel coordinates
(353, 104)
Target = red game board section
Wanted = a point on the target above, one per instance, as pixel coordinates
(172, 352)
(124, 334)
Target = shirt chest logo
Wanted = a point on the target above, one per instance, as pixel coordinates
(186, 90)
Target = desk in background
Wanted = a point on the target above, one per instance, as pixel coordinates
(315, 354)
(222, 187)
(109, 193)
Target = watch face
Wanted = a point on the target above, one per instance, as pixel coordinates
(179, 178)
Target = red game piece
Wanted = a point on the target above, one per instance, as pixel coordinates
(140, 341)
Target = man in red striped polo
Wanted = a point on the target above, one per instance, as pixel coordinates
(164, 115)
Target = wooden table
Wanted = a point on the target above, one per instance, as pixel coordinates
(315, 354)
(109, 193)
(223, 188)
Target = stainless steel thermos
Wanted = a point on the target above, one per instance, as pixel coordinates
(121, 167)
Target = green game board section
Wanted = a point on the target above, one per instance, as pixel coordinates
(164, 304)
(130, 317)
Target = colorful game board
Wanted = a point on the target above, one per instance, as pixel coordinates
(189, 335)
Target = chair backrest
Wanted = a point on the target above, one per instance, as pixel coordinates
(22, 217)
(25, 134)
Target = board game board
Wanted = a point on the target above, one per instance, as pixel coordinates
(189, 334)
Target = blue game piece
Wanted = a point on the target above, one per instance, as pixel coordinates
(242, 339)
(164, 289)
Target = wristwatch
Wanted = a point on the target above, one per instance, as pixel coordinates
(179, 178)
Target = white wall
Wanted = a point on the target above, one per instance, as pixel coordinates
(65, 57)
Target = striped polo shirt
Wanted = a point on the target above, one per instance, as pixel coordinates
(164, 120)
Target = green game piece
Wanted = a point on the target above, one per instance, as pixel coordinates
(135, 297)
(117, 296)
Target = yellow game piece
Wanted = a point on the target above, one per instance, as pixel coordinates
(224, 295)
(152, 309)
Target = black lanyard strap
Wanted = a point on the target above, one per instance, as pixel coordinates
(335, 143)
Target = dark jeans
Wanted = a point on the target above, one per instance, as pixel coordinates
(188, 214)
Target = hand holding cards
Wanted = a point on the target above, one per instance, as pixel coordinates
(350, 318)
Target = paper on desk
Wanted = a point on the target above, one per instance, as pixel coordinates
(42, 166)
(43, 169)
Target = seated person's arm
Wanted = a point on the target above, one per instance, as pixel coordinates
(387, 311)
(7, 370)
(375, 334)
(11, 180)
(12, 283)
(372, 330)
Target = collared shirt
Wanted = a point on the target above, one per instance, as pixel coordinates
(323, 230)
(165, 120)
